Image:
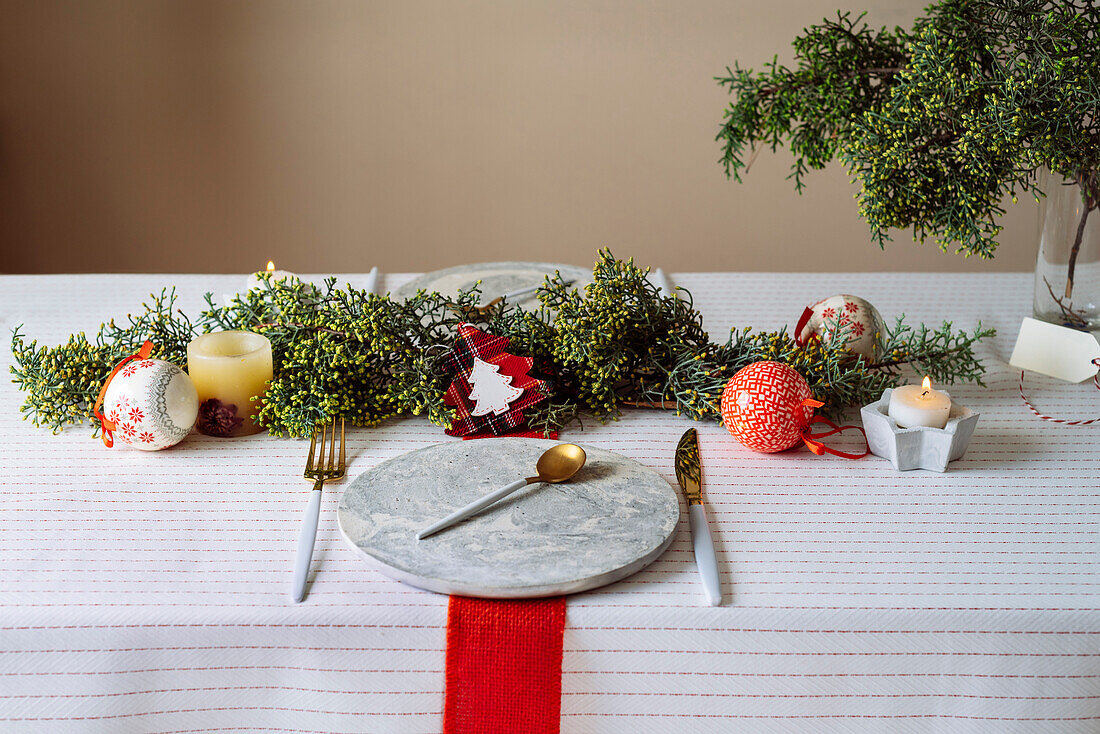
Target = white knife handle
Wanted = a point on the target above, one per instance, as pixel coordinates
(472, 508)
(704, 553)
(305, 545)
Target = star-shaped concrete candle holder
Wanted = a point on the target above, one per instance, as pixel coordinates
(920, 447)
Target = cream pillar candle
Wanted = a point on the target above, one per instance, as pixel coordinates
(229, 368)
(919, 405)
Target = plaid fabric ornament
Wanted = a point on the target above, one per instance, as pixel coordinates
(476, 344)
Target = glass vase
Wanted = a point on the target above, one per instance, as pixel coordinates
(1067, 270)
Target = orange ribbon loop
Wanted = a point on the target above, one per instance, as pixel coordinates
(813, 440)
(107, 425)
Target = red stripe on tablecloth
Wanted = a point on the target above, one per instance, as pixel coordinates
(503, 666)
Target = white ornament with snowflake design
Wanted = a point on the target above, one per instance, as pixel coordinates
(152, 403)
(492, 390)
(849, 317)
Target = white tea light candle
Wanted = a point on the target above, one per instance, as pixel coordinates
(275, 276)
(229, 368)
(920, 447)
(919, 405)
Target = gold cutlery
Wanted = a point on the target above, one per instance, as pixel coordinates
(485, 307)
(689, 475)
(557, 464)
(319, 471)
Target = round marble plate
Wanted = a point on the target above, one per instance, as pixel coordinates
(613, 519)
(496, 278)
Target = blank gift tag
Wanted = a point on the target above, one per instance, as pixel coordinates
(1056, 351)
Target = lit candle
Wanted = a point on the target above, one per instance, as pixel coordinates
(919, 405)
(229, 368)
(274, 276)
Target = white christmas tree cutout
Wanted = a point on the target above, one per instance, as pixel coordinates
(492, 390)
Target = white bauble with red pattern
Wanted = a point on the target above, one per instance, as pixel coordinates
(152, 403)
(832, 317)
(762, 406)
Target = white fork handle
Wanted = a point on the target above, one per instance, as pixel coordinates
(472, 508)
(305, 545)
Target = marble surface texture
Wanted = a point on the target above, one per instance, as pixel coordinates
(611, 520)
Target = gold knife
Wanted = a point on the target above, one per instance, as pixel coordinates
(689, 475)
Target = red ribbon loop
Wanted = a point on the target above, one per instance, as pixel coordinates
(107, 425)
(813, 440)
(802, 321)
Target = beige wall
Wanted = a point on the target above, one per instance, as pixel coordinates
(332, 136)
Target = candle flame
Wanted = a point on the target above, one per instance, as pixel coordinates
(270, 266)
(927, 384)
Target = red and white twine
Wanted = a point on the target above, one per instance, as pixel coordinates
(1095, 381)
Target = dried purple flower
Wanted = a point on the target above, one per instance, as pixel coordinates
(218, 419)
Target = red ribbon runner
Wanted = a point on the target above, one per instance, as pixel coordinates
(504, 661)
(105, 423)
(813, 440)
(1095, 381)
(504, 666)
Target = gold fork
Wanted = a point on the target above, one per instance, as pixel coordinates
(484, 308)
(320, 472)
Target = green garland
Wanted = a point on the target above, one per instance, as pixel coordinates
(368, 357)
(939, 123)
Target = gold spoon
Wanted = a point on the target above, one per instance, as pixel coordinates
(557, 464)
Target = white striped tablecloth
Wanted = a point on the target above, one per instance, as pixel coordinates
(147, 592)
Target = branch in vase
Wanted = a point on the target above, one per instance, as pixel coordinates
(1075, 251)
(1073, 318)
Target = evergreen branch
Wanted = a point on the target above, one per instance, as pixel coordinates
(938, 124)
(616, 343)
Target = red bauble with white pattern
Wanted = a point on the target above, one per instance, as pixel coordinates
(762, 406)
